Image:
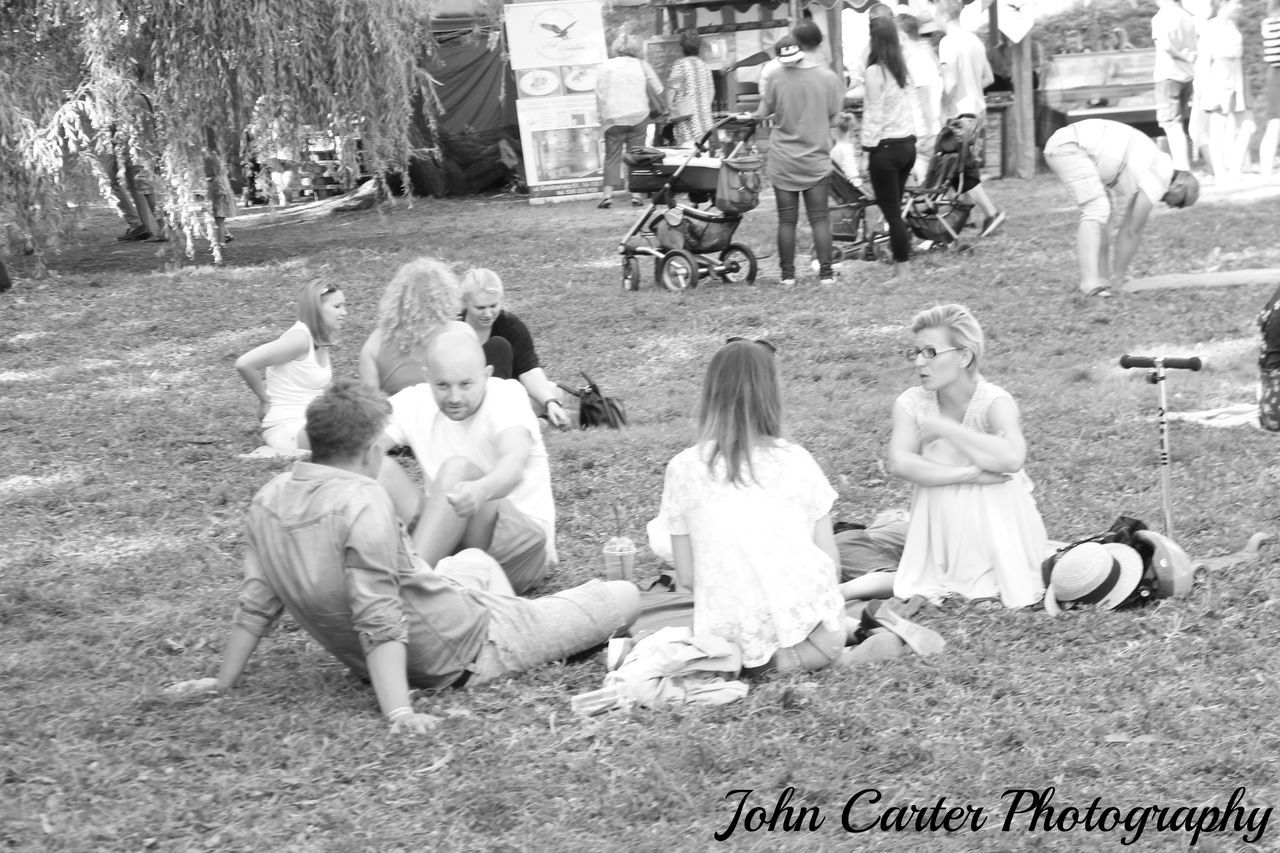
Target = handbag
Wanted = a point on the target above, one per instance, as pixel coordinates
(594, 408)
(681, 108)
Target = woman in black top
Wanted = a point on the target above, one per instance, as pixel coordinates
(508, 346)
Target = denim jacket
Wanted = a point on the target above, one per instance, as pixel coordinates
(325, 544)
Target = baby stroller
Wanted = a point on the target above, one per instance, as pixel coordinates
(935, 211)
(688, 242)
(853, 237)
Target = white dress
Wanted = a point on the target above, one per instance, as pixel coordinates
(978, 541)
(760, 580)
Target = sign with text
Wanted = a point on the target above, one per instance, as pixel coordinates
(555, 51)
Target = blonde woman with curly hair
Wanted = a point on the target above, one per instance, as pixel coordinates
(974, 530)
(419, 301)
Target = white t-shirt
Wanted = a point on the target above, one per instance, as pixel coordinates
(965, 73)
(417, 421)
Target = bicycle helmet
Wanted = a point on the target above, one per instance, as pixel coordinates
(1171, 565)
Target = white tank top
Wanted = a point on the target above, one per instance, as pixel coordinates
(293, 385)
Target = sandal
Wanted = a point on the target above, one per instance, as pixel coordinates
(1102, 291)
(605, 204)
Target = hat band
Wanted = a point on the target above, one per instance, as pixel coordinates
(1103, 589)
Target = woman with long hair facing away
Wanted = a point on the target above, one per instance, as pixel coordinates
(750, 520)
(888, 133)
(291, 371)
(508, 345)
(420, 299)
(974, 529)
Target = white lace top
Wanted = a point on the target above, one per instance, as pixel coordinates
(759, 579)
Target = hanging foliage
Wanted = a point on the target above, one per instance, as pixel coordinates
(147, 77)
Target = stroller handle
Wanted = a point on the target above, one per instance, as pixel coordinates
(742, 125)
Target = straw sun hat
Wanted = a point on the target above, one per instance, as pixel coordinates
(1093, 573)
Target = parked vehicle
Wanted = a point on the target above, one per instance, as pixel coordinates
(1111, 84)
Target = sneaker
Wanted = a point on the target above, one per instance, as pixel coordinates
(787, 282)
(827, 280)
(993, 224)
(138, 232)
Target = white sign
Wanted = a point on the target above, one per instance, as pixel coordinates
(541, 35)
(1015, 17)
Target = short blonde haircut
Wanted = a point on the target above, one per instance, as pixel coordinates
(961, 326)
(421, 295)
(480, 280)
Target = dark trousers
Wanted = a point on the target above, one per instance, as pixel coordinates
(815, 207)
(889, 165)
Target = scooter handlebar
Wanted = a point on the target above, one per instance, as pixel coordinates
(1192, 363)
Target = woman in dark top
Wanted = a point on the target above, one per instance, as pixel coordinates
(508, 346)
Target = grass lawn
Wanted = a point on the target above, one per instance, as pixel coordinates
(122, 495)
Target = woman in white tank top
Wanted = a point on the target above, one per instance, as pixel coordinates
(291, 371)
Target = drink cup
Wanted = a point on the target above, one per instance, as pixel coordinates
(620, 559)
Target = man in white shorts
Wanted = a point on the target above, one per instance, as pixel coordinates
(1111, 166)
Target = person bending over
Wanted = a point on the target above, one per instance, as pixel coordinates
(291, 371)
(487, 480)
(974, 529)
(1108, 165)
(324, 544)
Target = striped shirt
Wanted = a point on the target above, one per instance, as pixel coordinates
(1271, 40)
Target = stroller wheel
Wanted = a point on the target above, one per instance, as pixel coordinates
(631, 273)
(678, 270)
(738, 264)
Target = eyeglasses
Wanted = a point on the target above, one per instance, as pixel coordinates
(764, 342)
(929, 353)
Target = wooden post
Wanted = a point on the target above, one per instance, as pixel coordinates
(1023, 128)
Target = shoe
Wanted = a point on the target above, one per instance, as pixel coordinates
(787, 282)
(159, 238)
(878, 647)
(605, 204)
(829, 280)
(638, 202)
(993, 224)
(921, 640)
(616, 652)
(1102, 291)
(136, 233)
(227, 239)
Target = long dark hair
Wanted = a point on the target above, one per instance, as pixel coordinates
(886, 51)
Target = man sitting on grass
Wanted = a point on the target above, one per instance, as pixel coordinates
(488, 483)
(324, 544)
